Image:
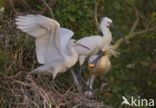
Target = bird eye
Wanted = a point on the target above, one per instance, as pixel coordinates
(101, 33)
(109, 23)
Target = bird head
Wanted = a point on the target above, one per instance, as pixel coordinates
(107, 22)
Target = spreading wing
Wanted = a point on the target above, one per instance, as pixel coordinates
(65, 36)
(47, 36)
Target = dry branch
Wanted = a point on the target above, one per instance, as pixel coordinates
(132, 32)
(95, 15)
(23, 90)
(48, 6)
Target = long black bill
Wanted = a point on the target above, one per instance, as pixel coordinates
(118, 32)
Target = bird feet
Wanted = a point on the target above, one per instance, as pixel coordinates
(89, 94)
(81, 80)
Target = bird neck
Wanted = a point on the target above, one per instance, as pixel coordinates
(71, 56)
(107, 35)
(71, 51)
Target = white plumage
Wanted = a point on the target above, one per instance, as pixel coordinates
(103, 66)
(54, 46)
(95, 43)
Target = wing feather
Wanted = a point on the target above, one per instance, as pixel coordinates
(47, 35)
(65, 35)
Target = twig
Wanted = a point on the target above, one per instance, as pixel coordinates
(150, 22)
(35, 103)
(131, 34)
(95, 15)
(54, 89)
(67, 91)
(47, 7)
(76, 106)
(26, 4)
(12, 6)
(136, 21)
(79, 88)
(25, 84)
(140, 32)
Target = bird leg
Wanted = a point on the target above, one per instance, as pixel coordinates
(89, 92)
(93, 63)
(79, 88)
(79, 76)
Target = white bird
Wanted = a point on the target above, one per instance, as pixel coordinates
(103, 66)
(54, 46)
(96, 43)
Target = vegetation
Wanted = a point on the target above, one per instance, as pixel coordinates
(133, 72)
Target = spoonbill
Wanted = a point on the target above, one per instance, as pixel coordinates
(96, 43)
(54, 46)
(103, 66)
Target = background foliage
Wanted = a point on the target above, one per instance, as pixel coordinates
(133, 72)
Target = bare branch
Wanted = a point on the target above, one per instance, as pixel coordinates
(132, 32)
(150, 22)
(136, 21)
(141, 32)
(119, 41)
(131, 35)
(26, 4)
(95, 15)
(12, 6)
(48, 7)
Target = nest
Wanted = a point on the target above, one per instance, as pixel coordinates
(28, 91)
(23, 90)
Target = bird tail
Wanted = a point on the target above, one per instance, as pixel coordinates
(41, 69)
(46, 70)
